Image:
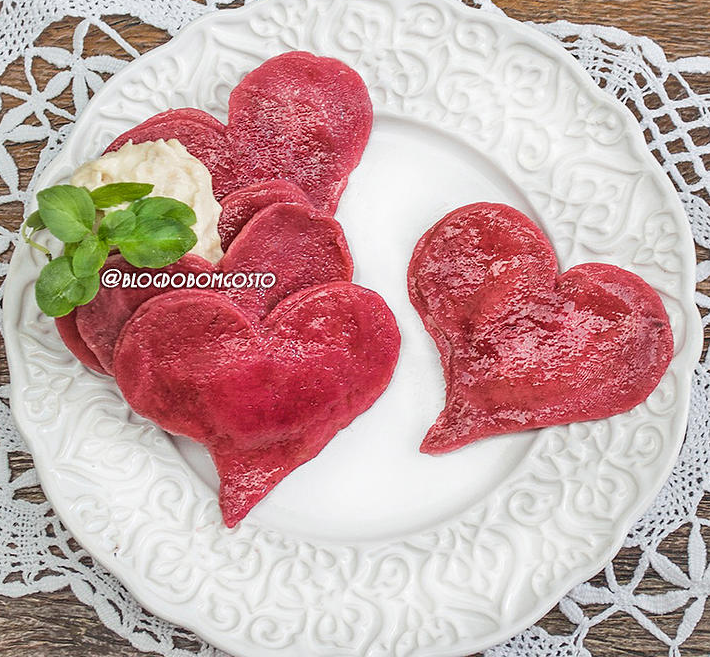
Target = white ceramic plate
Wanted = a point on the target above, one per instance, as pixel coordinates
(372, 548)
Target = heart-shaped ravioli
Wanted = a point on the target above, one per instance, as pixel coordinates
(297, 117)
(522, 346)
(263, 397)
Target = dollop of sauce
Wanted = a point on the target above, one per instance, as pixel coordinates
(174, 172)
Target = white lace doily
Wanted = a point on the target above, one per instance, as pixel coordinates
(37, 554)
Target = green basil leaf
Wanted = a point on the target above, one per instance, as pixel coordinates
(35, 221)
(54, 287)
(117, 226)
(67, 211)
(157, 242)
(164, 208)
(83, 290)
(89, 256)
(117, 193)
(70, 249)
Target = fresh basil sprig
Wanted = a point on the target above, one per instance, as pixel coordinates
(152, 231)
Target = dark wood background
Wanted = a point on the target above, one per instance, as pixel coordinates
(57, 625)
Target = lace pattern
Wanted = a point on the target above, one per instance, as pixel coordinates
(37, 554)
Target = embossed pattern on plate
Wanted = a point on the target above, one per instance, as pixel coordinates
(474, 579)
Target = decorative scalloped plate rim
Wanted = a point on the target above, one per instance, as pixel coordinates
(41, 374)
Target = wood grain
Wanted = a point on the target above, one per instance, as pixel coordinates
(57, 625)
(679, 26)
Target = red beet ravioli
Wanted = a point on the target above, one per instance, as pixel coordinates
(297, 117)
(99, 322)
(263, 397)
(301, 246)
(69, 333)
(240, 206)
(522, 346)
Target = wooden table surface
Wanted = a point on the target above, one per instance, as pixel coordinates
(57, 625)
